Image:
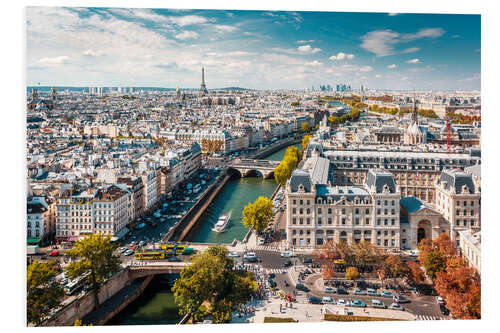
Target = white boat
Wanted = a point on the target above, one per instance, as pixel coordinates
(221, 224)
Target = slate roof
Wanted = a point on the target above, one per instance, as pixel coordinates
(411, 204)
(320, 170)
(300, 177)
(379, 178)
(456, 179)
(314, 146)
(337, 192)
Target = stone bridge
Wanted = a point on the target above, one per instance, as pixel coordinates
(249, 167)
(138, 269)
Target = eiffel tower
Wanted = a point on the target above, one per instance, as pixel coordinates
(203, 87)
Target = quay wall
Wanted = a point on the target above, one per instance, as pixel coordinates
(83, 305)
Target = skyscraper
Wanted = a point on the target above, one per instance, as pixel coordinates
(203, 87)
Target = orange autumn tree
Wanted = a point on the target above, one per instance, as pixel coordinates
(326, 256)
(414, 273)
(460, 287)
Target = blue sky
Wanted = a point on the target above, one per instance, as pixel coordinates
(252, 49)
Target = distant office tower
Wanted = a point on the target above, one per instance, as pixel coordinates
(34, 93)
(178, 92)
(131, 89)
(203, 87)
(91, 90)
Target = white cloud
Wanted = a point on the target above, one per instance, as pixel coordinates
(425, 33)
(305, 41)
(378, 76)
(224, 28)
(410, 50)
(342, 56)
(476, 76)
(366, 69)
(392, 66)
(380, 42)
(187, 35)
(413, 61)
(92, 53)
(314, 63)
(308, 49)
(183, 21)
(55, 60)
(383, 42)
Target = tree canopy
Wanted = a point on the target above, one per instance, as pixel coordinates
(306, 128)
(352, 273)
(210, 278)
(289, 162)
(93, 256)
(258, 214)
(43, 292)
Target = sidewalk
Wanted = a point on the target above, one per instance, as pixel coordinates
(369, 312)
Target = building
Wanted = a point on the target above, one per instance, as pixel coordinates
(458, 199)
(40, 218)
(470, 248)
(318, 212)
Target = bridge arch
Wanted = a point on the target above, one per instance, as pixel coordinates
(234, 173)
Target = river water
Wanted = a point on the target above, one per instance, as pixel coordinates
(156, 305)
(235, 195)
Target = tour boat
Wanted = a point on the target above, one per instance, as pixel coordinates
(221, 224)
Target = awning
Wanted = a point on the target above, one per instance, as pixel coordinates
(33, 240)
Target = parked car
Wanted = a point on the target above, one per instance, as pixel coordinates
(372, 292)
(233, 255)
(329, 290)
(341, 291)
(359, 292)
(300, 286)
(122, 250)
(249, 255)
(358, 303)
(444, 309)
(142, 243)
(261, 241)
(54, 253)
(396, 306)
(343, 302)
(287, 263)
(400, 299)
(129, 252)
(386, 293)
(328, 300)
(315, 300)
(307, 260)
(286, 254)
(378, 304)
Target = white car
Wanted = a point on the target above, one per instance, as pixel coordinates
(440, 300)
(329, 300)
(141, 243)
(261, 241)
(233, 255)
(129, 252)
(342, 302)
(287, 254)
(250, 255)
(122, 250)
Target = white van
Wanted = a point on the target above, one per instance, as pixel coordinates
(378, 304)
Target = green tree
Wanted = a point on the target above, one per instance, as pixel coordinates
(282, 173)
(395, 266)
(210, 278)
(306, 128)
(257, 215)
(434, 262)
(93, 256)
(43, 292)
(352, 273)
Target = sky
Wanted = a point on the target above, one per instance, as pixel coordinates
(69, 46)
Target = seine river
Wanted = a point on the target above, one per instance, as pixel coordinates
(156, 305)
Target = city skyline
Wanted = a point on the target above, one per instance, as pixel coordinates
(251, 49)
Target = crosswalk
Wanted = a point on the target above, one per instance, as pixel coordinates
(278, 270)
(268, 248)
(423, 317)
(301, 298)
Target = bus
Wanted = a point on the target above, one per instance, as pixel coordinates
(73, 286)
(150, 255)
(170, 246)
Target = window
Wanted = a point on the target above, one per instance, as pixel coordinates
(319, 220)
(301, 221)
(308, 211)
(367, 211)
(294, 241)
(301, 211)
(308, 220)
(356, 211)
(386, 233)
(301, 202)
(329, 220)
(471, 213)
(465, 203)
(343, 211)
(294, 201)
(308, 202)
(458, 222)
(393, 233)
(294, 221)
(385, 203)
(319, 241)
(378, 242)
(379, 221)
(343, 220)
(367, 221)
(294, 211)
(319, 210)
(386, 242)
(392, 203)
(393, 242)
(393, 221)
(294, 232)
(378, 202)
(379, 233)
(329, 210)
(378, 211)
